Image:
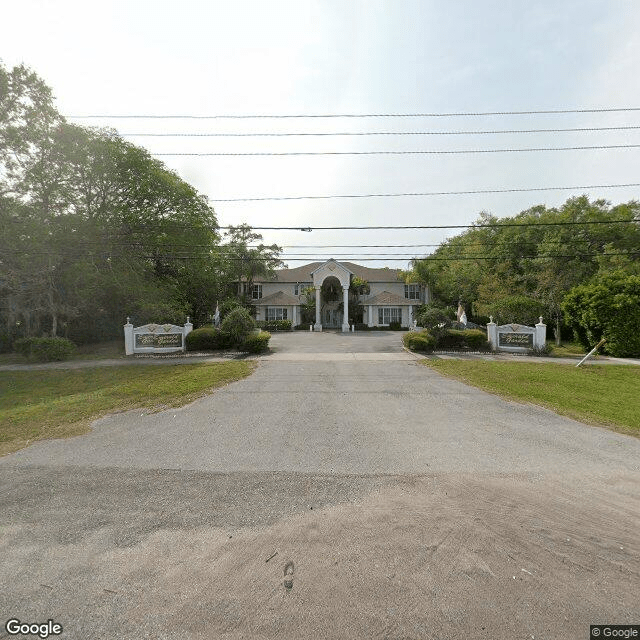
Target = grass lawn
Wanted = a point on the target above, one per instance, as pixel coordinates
(567, 349)
(607, 395)
(60, 403)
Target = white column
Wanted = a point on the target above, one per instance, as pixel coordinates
(540, 337)
(294, 316)
(318, 325)
(492, 333)
(410, 316)
(370, 315)
(345, 304)
(128, 338)
(187, 329)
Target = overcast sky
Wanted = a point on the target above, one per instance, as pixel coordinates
(198, 57)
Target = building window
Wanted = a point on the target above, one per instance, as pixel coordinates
(276, 313)
(387, 315)
(412, 291)
(255, 291)
(299, 288)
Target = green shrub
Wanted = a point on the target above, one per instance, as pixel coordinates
(45, 349)
(227, 306)
(207, 339)
(257, 342)
(430, 316)
(545, 350)
(451, 339)
(607, 307)
(5, 342)
(394, 326)
(274, 325)
(476, 339)
(361, 326)
(238, 325)
(419, 341)
(302, 327)
(473, 339)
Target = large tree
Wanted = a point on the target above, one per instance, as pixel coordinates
(527, 263)
(94, 228)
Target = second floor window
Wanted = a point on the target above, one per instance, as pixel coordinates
(255, 291)
(300, 288)
(412, 291)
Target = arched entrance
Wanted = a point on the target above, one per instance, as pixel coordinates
(332, 306)
(334, 312)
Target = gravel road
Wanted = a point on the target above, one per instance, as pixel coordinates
(411, 506)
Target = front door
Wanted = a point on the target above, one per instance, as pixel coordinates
(332, 318)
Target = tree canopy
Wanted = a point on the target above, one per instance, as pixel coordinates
(523, 266)
(94, 229)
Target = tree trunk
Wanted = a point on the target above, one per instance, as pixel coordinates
(557, 331)
(54, 325)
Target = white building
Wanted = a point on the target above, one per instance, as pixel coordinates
(388, 299)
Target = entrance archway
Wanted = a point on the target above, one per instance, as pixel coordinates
(338, 277)
(331, 309)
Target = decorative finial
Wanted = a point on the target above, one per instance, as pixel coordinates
(490, 318)
(128, 320)
(540, 319)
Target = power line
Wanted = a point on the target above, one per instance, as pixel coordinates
(354, 115)
(164, 223)
(373, 133)
(399, 258)
(399, 153)
(446, 226)
(429, 193)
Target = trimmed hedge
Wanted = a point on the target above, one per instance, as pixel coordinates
(257, 342)
(419, 341)
(45, 349)
(274, 325)
(472, 339)
(207, 339)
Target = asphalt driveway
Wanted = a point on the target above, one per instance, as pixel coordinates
(412, 506)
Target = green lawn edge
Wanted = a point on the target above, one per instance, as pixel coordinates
(599, 395)
(62, 403)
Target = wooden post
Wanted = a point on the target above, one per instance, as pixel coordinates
(591, 352)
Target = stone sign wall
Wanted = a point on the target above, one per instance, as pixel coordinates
(155, 338)
(517, 338)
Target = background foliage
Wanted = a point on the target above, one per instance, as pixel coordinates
(93, 229)
(517, 273)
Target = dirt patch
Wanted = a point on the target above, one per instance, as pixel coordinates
(442, 556)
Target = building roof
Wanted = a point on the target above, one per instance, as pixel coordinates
(303, 273)
(390, 299)
(279, 298)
